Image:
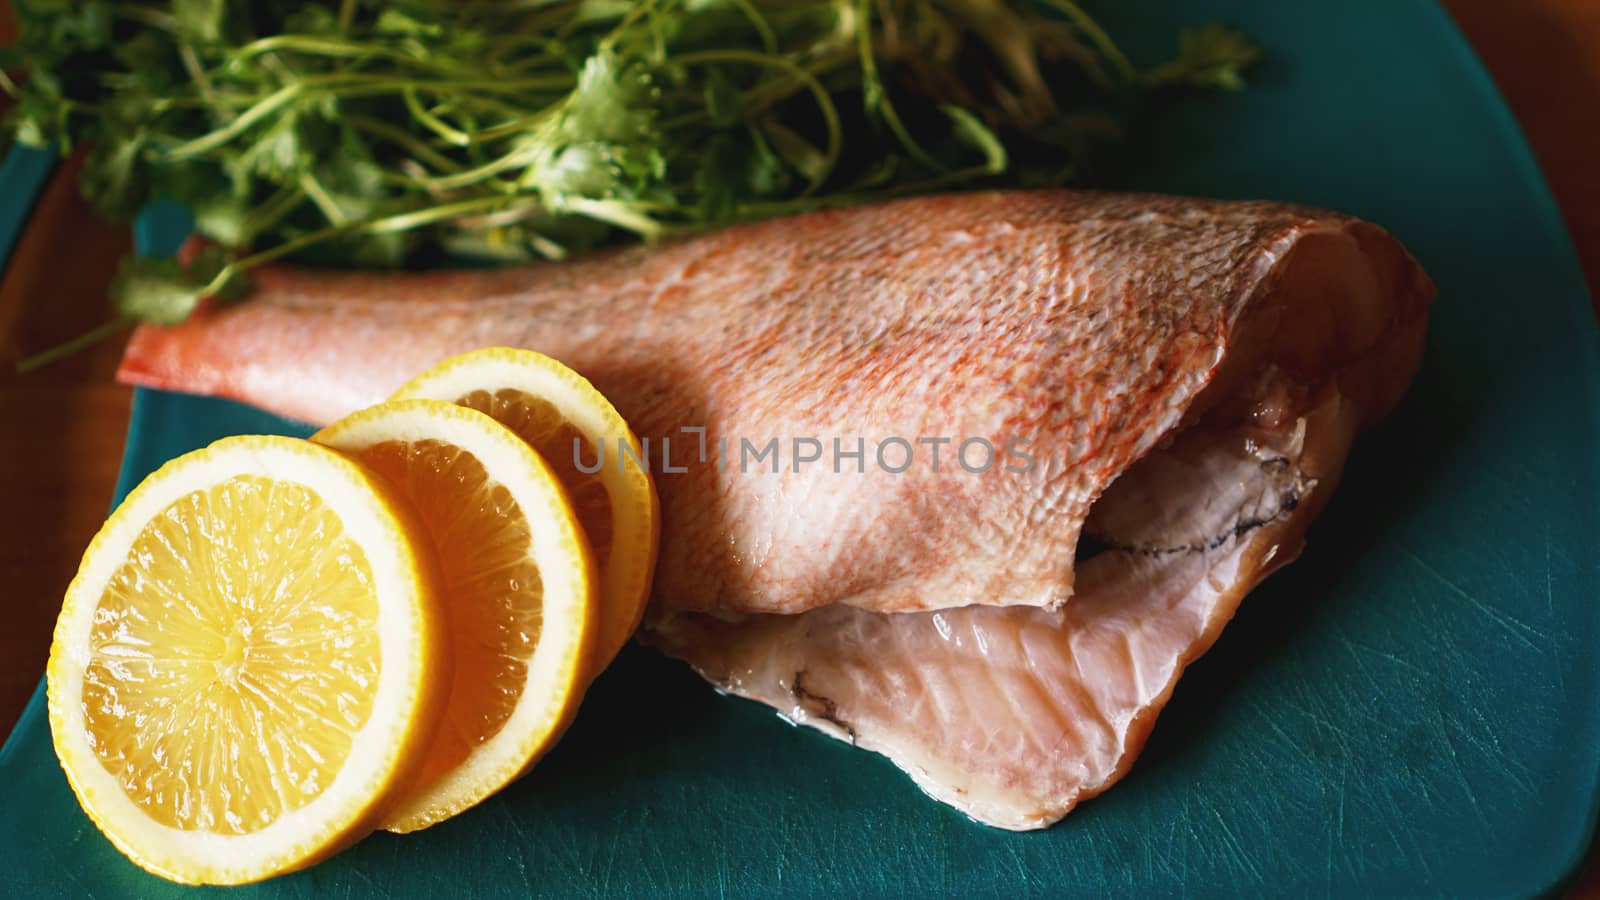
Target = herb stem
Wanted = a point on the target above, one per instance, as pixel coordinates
(769, 40)
(269, 213)
(81, 342)
(876, 97)
(637, 11)
(191, 63)
(619, 214)
(337, 49)
(509, 127)
(432, 122)
(380, 225)
(319, 196)
(346, 85)
(146, 16)
(406, 140)
(1102, 41)
(830, 112)
(524, 154)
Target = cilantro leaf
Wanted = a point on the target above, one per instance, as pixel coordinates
(1208, 57)
(386, 132)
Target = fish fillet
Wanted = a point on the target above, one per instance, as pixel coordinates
(1184, 376)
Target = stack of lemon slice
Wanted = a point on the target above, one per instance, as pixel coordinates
(274, 646)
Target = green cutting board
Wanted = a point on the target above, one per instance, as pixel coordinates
(1411, 709)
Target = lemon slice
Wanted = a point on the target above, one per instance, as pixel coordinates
(549, 405)
(518, 589)
(245, 668)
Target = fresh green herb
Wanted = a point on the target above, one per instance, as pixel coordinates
(389, 132)
(1211, 56)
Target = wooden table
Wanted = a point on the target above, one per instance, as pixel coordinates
(61, 441)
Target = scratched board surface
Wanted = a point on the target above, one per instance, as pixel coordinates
(1407, 710)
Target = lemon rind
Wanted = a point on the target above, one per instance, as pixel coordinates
(566, 568)
(634, 547)
(380, 756)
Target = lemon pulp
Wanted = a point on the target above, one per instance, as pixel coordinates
(495, 594)
(223, 689)
(543, 427)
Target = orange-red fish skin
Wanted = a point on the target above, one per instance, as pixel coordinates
(1084, 324)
